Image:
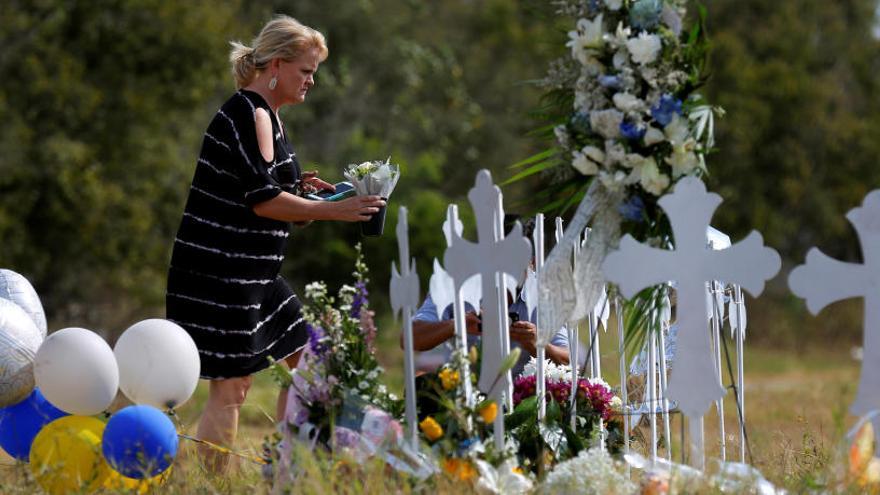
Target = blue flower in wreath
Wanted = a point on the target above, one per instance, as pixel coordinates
(632, 209)
(645, 14)
(633, 132)
(610, 82)
(466, 444)
(665, 109)
(580, 122)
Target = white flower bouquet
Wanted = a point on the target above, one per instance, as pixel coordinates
(373, 178)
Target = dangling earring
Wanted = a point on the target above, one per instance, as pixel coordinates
(273, 82)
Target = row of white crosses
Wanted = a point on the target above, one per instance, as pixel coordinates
(497, 260)
(695, 383)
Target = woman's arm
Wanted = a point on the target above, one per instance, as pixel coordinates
(291, 208)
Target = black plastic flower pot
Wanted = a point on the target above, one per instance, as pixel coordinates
(375, 225)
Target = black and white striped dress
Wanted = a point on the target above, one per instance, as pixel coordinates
(224, 285)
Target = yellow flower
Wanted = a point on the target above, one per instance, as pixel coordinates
(449, 378)
(488, 412)
(461, 469)
(431, 428)
(517, 470)
(473, 355)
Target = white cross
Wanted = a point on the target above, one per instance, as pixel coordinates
(824, 280)
(489, 257)
(694, 383)
(405, 298)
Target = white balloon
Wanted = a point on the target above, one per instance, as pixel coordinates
(76, 371)
(16, 288)
(19, 341)
(159, 364)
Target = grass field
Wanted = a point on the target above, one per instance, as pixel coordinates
(796, 411)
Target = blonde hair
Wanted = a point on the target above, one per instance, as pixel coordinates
(283, 37)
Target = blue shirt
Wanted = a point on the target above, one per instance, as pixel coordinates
(428, 312)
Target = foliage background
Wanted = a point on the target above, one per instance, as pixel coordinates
(103, 104)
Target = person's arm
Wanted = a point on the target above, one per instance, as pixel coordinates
(265, 195)
(291, 208)
(557, 354)
(429, 334)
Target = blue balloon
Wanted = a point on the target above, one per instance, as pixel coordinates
(139, 441)
(20, 423)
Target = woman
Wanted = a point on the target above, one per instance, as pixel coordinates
(224, 285)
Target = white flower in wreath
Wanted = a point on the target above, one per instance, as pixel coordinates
(628, 103)
(585, 39)
(634, 176)
(677, 130)
(607, 123)
(594, 153)
(583, 164)
(644, 48)
(614, 153)
(683, 160)
(613, 4)
(613, 181)
(651, 179)
(621, 35)
(649, 74)
(633, 160)
(654, 136)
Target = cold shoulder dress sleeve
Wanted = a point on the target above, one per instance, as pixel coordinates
(224, 286)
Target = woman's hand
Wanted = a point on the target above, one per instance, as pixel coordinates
(311, 183)
(357, 209)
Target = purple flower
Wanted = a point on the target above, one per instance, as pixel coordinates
(645, 14)
(316, 340)
(610, 82)
(301, 417)
(665, 109)
(633, 132)
(346, 437)
(360, 299)
(632, 209)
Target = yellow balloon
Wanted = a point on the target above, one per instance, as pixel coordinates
(119, 483)
(66, 456)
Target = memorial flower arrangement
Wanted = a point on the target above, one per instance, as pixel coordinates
(373, 177)
(339, 377)
(458, 428)
(591, 471)
(627, 121)
(554, 440)
(635, 119)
